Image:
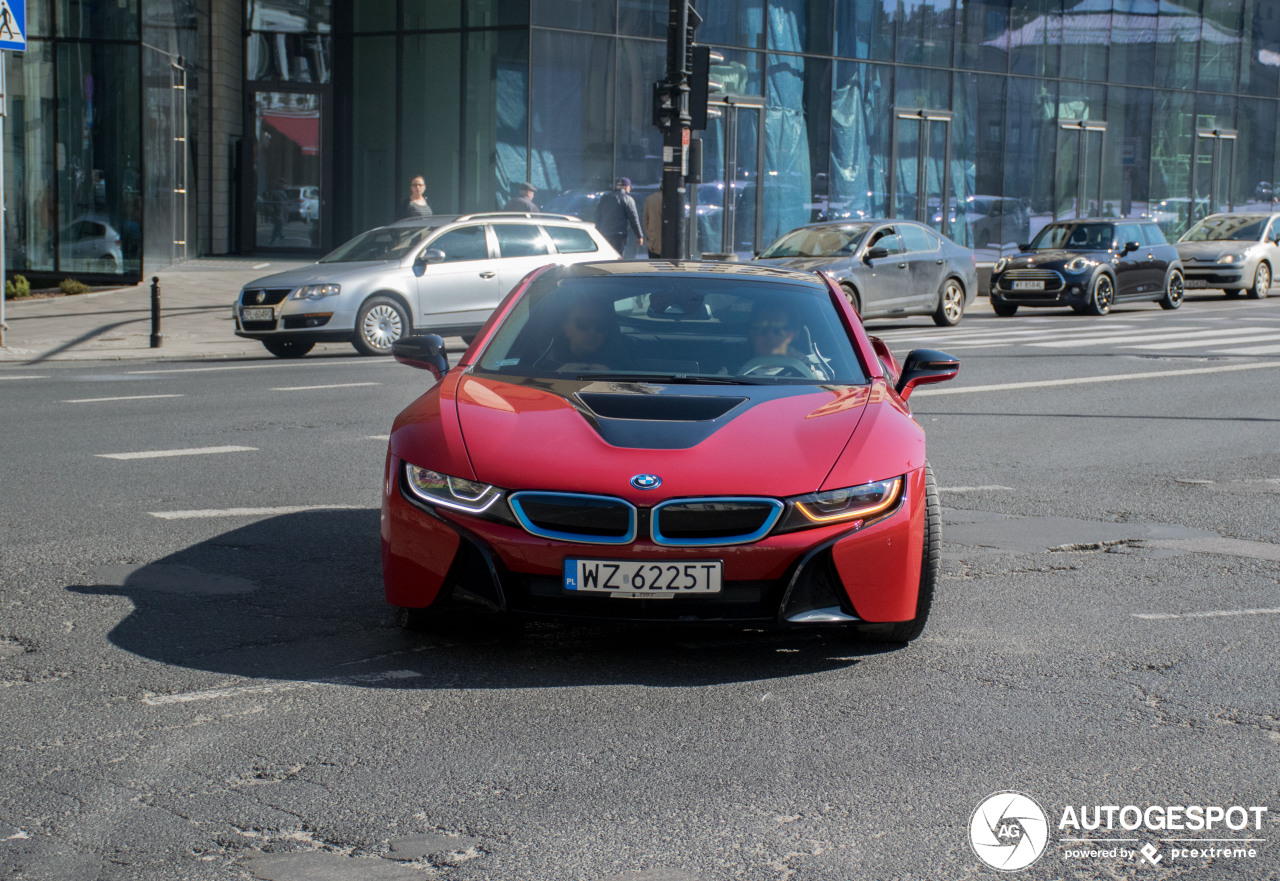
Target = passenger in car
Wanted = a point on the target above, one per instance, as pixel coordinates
(588, 340)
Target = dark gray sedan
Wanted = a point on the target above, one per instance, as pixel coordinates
(1232, 253)
(887, 268)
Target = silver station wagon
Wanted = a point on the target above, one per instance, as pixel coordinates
(442, 274)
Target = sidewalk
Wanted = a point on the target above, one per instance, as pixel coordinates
(196, 321)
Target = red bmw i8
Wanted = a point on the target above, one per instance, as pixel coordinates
(667, 442)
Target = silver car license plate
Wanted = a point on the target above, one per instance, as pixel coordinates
(258, 313)
(643, 579)
(1195, 283)
(1028, 285)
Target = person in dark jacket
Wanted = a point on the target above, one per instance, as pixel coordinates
(524, 201)
(616, 216)
(417, 205)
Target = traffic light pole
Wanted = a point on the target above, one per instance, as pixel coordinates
(676, 131)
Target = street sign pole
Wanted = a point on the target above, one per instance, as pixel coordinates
(13, 37)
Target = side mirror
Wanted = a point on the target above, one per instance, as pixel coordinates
(1024, 247)
(425, 352)
(876, 253)
(924, 366)
(1130, 247)
(431, 255)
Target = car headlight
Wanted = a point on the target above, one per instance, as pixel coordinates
(1001, 265)
(316, 292)
(856, 505)
(1078, 264)
(450, 492)
(1230, 258)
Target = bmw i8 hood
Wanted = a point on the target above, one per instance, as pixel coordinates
(698, 439)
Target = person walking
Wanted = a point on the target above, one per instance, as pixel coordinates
(524, 201)
(616, 216)
(652, 223)
(417, 206)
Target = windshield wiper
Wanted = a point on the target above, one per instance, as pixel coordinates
(670, 378)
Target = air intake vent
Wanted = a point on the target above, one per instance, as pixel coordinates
(667, 408)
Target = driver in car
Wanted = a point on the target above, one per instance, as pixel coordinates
(770, 334)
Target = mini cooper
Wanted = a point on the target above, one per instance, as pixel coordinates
(667, 441)
(1089, 265)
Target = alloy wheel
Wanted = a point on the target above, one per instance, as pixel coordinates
(1261, 282)
(381, 327)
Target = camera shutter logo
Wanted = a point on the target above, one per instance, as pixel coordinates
(1008, 831)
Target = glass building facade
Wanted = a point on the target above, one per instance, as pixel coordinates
(145, 131)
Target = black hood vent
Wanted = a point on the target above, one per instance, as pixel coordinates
(660, 408)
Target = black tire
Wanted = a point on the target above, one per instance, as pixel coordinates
(1003, 309)
(1261, 282)
(1174, 289)
(379, 323)
(930, 569)
(289, 348)
(1102, 294)
(950, 304)
(851, 294)
(417, 620)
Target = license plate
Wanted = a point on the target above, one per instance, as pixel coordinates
(260, 313)
(643, 579)
(1194, 283)
(1028, 286)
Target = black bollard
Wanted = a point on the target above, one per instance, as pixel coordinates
(156, 337)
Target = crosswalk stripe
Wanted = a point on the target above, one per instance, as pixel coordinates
(161, 454)
(1139, 338)
(1250, 350)
(117, 398)
(1187, 344)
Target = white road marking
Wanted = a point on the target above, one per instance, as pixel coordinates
(1166, 616)
(1252, 350)
(379, 437)
(1145, 337)
(159, 700)
(308, 388)
(268, 365)
(160, 454)
(24, 377)
(1084, 380)
(211, 513)
(119, 398)
(973, 489)
(1246, 337)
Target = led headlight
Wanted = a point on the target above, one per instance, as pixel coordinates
(450, 492)
(1078, 264)
(1001, 265)
(316, 292)
(855, 505)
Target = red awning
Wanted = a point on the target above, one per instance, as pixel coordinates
(302, 130)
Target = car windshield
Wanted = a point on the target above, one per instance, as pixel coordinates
(384, 243)
(1227, 229)
(597, 323)
(826, 241)
(1075, 237)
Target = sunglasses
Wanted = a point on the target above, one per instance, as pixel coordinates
(769, 327)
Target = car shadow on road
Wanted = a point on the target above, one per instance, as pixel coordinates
(298, 597)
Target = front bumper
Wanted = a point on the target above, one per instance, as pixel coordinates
(432, 556)
(324, 319)
(1059, 288)
(1216, 276)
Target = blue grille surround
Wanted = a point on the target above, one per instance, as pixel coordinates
(590, 508)
(766, 509)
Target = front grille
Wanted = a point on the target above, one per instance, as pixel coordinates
(270, 296)
(1052, 282)
(714, 521)
(576, 517)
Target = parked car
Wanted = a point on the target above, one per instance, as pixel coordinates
(1233, 253)
(667, 442)
(884, 267)
(444, 273)
(1089, 265)
(90, 243)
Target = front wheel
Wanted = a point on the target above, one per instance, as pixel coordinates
(288, 348)
(950, 304)
(380, 322)
(1101, 295)
(851, 294)
(1173, 291)
(930, 568)
(1261, 283)
(1003, 309)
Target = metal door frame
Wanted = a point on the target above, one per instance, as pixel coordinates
(1216, 136)
(729, 105)
(925, 117)
(1082, 128)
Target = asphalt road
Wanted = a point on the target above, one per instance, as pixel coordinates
(193, 690)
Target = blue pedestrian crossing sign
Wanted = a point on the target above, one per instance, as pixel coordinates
(13, 24)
